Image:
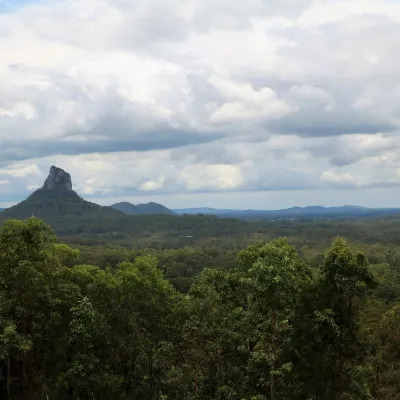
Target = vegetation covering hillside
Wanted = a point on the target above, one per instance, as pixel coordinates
(82, 222)
(142, 209)
(69, 215)
(60, 208)
(262, 323)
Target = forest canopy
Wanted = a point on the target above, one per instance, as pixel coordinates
(269, 326)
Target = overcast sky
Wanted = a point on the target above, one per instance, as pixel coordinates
(223, 103)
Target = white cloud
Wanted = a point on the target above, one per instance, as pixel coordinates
(20, 109)
(21, 170)
(211, 177)
(328, 12)
(264, 95)
(149, 186)
(250, 104)
(340, 179)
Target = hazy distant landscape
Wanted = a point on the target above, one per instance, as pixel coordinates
(309, 212)
(295, 212)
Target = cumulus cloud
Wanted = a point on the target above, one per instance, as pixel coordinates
(340, 179)
(156, 98)
(21, 170)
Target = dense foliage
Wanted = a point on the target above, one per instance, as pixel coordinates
(260, 323)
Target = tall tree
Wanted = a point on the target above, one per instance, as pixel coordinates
(274, 278)
(345, 281)
(30, 311)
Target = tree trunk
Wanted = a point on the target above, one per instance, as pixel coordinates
(341, 328)
(272, 386)
(8, 378)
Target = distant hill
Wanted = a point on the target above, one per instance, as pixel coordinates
(152, 224)
(125, 207)
(81, 222)
(49, 204)
(310, 212)
(142, 209)
(60, 206)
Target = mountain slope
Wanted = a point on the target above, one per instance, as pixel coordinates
(126, 208)
(141, 209)
(153, 208)
(59, 208)
(57, 204)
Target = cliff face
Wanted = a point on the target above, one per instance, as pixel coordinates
(58, 179)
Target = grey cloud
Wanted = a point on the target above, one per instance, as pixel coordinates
(140, 25)
(322, 124)
(110, 122)
(336, 60)
(151, 140)
(134, 76)
(123, 122)
(342, 151)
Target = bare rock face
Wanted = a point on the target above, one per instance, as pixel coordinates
(58, 179)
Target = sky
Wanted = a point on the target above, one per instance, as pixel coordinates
(222, 103)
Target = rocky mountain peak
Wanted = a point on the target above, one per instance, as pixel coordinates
(58, 179)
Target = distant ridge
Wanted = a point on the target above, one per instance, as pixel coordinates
(309, 212)
(199, 210)
(142, 209)
(56, 202)
(60, 206)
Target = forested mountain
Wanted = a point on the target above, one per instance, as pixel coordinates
(70, 215)
(57, 204)
(79, 221)
(59, 208)
(142, 209)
